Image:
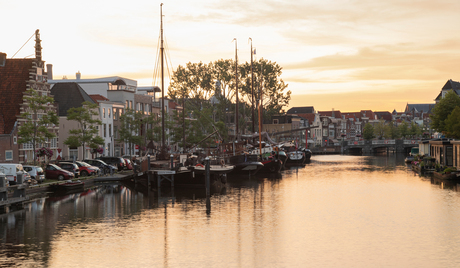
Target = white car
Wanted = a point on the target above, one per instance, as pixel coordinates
(35, 172)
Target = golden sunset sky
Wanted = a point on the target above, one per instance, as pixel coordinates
(342, 55)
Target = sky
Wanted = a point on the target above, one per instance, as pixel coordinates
(346, 55)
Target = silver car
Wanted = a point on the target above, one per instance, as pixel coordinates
(35, 172)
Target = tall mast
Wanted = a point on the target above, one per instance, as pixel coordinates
(252, 91)
(163, 142)
(236, 88)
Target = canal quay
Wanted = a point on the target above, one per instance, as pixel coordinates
(336, 211)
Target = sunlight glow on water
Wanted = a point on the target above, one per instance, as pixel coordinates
(337, 211)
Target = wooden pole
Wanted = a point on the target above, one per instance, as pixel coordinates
(208, 186)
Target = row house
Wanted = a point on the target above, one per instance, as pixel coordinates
(70, 95)
(114, 95)
(16, 76)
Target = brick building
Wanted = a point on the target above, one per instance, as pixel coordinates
(16, 76)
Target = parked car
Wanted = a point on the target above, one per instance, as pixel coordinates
(12, 171)
(54, 172)
(103, 166)
(70, 166)
(115, 161)
(35, 172)
(128, 164)
(87, 169)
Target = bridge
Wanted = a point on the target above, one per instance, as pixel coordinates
(374, 146)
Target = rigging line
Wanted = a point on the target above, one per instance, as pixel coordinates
(24, 45)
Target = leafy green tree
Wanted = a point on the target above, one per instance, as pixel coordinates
(453, 124)
(87, 131)
(130, 128)
(391, 131)
(415, 130)
(404, 129)
(37, 117)
(443, 109)
(368, 132)
(379, 129)
(198, 82)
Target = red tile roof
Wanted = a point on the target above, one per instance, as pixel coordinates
(13, 78)
(309, 117)
(98, 98)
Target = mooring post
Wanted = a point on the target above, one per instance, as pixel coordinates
(208, 186)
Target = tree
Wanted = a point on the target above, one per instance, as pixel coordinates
(129, 131)
(415, 130)
(404, 129)
(443, 109)
(368, 132)
(37, 116)
(87, 130)
(453, 124)
(391, 131)
(197, 83)
(379, 129)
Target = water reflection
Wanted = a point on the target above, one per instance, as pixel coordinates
(336, 211)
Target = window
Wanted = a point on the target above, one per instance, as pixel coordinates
(27, 146)
(131, 104)
(110, 130)
(73, 154)
(53, 143)
(275, 121)
(15, 140)
(108, 112)
(105, 130)
(115, 114)
(8, 155)
(103, 112)
(127, 104)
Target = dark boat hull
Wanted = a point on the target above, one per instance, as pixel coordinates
(271, 166)
(67, 188)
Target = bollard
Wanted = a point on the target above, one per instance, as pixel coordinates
(172, 162)
(20, 177)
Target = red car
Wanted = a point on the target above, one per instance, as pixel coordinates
(86, 169)
(54, 172)
(128, 164)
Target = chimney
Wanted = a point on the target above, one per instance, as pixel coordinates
(49, 71)
(2, 59)
(78, 75)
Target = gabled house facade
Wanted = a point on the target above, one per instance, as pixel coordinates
(16, 76)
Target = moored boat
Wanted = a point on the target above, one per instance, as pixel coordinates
(67, 187)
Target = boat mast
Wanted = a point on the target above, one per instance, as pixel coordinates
(252, 91)
(236, 89)
(163, 142)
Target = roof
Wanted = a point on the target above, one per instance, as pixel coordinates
(384, 115)
(450, 84)
(117, 80)
(301, 110)
(418, 108)
(337, 114)
(368, 113)
(13, 77)
(98, 98)
(354, 115)
(309, 117)
(69, 95)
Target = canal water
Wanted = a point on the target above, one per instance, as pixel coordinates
(337, 211)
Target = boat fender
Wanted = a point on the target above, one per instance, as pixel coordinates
(222, 162)
(199, 165)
